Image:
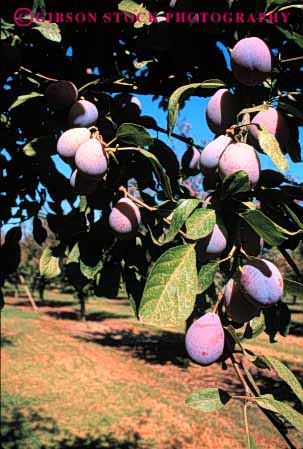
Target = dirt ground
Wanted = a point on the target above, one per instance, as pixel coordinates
(126, 379)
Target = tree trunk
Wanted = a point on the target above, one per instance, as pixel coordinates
(32, 301)
(81, 297)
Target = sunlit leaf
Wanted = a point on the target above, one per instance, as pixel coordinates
(170, 291)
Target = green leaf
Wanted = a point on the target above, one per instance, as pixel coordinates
(272, 233)
(180, 214)
(49, 264)
(279, 5)
(260, 107)
(6, 29)
(267, 402)
(5, 34)
(271, 147)
(160, 173)
(5, 25)
(235, 183)
(250, 442)
(208, 400)
(285, 374)
(129, 6)
(91, 83)
(276, 2)
(254, 328)
(29, 150)
(200, 224)
(74, 255)
(297, 38)
(88, 271)
(40, 145)
(290, 109)
(294, 217)
(206, 276)
(293, 287)
(23, 98)
(170, 291)
(49, 30)
(83, 203)
(134, 135)
(184, 92)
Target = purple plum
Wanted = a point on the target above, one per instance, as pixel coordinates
(91, 159)
(61, 95)
(251, 61)
(221, 111)
(125, 218)
(70, 141)
(83, 113)
(204, 339)
(240, 156)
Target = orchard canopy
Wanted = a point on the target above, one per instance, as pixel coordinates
(92, 63)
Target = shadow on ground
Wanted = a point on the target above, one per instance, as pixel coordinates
(94, 316)
(54, 303)
(164, 348)
(6, 341)
(296, 329)
(26, 429)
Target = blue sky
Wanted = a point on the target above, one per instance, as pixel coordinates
(194, 113)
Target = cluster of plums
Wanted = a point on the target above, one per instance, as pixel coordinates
(88, 155)
(251, 63)
(63, 95)
(85, 151)
(259, 283)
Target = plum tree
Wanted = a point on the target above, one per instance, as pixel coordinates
(221, 111)
(171, 274)
(240, 156)
(211, 154)
(83, 185)
(204, 339)
(83, 113)
(69, 142)
(261, 282)
(251, 61)
(125, 218)
(275, 122)
(190, 161)
(91, 158)
(61, 95)
(238, 308)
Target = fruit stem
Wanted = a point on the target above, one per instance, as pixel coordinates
(187, 140)
(109, 143)
(242, 379)
(218, 302)
(230, 254)
(298, 58)
(252, 397)
(135, 199)
(38, 75)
